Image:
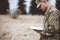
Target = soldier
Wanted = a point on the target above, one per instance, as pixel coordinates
(51, 21)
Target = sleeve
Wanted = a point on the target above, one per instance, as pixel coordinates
(53, 24)
(54, 20)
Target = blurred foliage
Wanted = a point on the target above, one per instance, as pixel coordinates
(4, 5)
(58, 4)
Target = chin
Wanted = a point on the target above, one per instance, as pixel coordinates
(43, 10)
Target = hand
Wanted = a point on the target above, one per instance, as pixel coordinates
(45, 34)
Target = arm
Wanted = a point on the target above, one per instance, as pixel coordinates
(53, 24)
(54, 20)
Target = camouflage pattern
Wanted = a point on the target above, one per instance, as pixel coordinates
(51, 24)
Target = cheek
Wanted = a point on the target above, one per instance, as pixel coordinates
(42, 6)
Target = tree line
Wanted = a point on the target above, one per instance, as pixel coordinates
(4, 5)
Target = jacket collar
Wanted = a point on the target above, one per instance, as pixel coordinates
(48, 9)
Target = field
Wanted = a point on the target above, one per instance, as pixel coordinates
(19, 29)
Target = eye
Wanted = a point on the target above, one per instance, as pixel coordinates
(43, 1)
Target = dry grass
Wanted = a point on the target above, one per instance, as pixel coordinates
(18, 29)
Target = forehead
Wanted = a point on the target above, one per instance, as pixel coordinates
(43, 0)
(38, 1)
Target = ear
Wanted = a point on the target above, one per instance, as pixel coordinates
(37, 1)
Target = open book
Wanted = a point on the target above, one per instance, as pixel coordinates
(37, 28)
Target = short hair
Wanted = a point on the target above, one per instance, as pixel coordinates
(46, 0)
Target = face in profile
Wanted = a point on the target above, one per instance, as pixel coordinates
(43, 5)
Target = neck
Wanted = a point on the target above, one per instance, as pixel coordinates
(48, 5)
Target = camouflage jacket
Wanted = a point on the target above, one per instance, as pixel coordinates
(51, 23)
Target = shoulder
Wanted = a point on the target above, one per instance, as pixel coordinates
(54, 11)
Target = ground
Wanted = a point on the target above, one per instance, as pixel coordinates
(19, 29)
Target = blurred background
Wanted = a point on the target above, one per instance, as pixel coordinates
(26, 6)
(28, 15)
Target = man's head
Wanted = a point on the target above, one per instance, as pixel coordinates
(42, 4)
